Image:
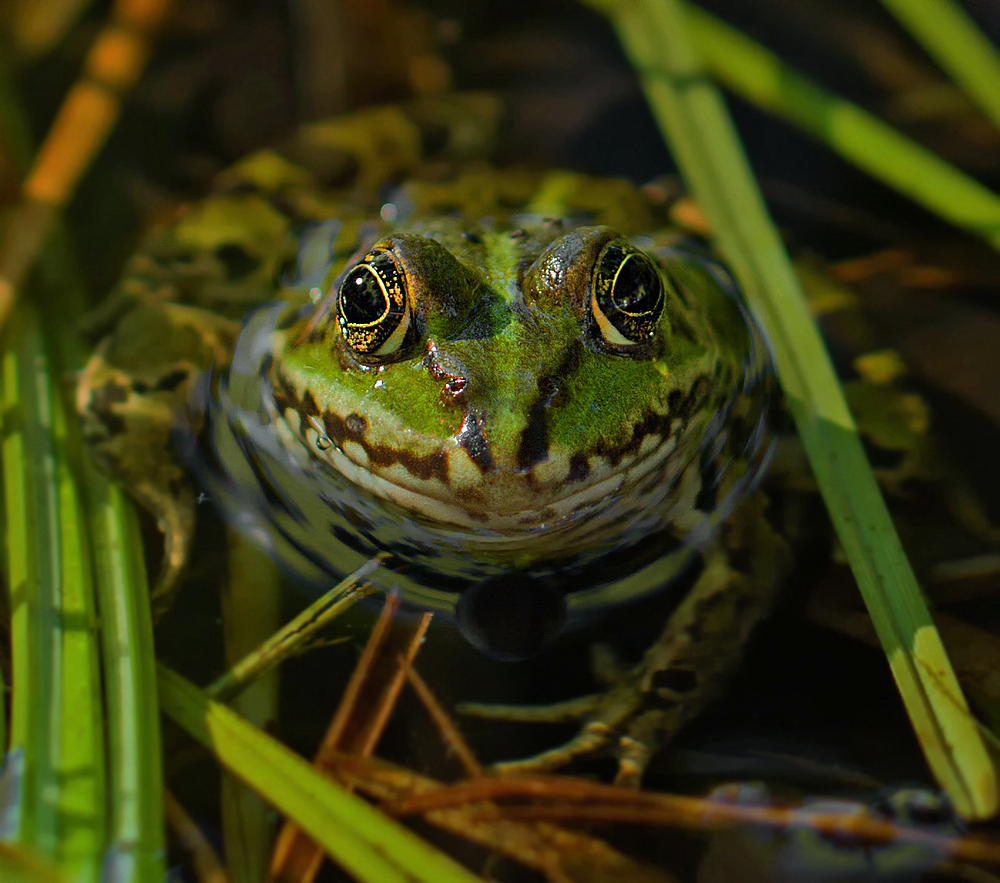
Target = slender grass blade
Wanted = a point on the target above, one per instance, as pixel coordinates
(136, 846)
(762, 78)
(112, 545)
(952, 39)
(251, 612)
(56, 721)
(370, 846)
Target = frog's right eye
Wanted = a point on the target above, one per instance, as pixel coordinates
(627, 295)
(373, 307)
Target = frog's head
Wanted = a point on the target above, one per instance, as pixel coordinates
(509, 380)
(535, 423)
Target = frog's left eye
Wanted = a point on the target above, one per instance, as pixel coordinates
(373, 308)
(626, 298)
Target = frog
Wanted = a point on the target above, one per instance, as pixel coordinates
(527, 389)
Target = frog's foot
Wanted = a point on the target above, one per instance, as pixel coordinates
(683, 670)
(129, 397)
(175, 517)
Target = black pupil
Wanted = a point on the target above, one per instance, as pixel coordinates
(637, 286)
(362, 300)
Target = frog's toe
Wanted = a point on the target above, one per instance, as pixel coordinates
(175, 516)
(636, 748)
(556, 713)
(592, 738)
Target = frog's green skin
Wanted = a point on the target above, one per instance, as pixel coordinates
(503, 421)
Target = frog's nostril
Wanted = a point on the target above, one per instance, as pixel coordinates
(511, 617)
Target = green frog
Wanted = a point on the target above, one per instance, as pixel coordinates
(536, 396)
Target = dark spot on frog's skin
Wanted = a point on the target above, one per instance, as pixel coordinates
(448, 370)
(739, 559)
(171, 381)
(681, 407)
(237, 261)
(708, 494)
(111, 393)
(534, 447)
(880, 457)
(114, 424)
(355, 518)
(652, 423)
(423, 466)
(675, 401)
(434, 137)
(355, 425)
(308, 406)
(472, 439)
(579, 468)
(103, 400)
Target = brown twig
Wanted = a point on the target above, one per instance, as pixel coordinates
(87, 115)
(357, 725)
(445, 724)
(204, 861)
(579, 800)
(561, 854)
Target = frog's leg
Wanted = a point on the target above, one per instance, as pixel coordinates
(131, 397)
(686, 667)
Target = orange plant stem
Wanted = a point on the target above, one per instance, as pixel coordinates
(87, 115)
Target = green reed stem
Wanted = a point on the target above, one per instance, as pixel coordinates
(952, 39)
(95, 804)
(759, 76)
(56, 705)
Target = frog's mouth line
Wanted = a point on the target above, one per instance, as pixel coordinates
(435, 501)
